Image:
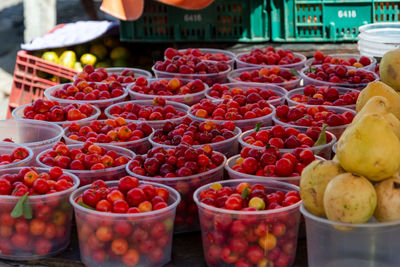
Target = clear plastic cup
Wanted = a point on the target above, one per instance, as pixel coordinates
(231, 61)
(186, 214)
(234, 175)
(370, 67)
(281, 92)
(209, 78)
(245, 124)
(288, 85)
(298, 65)
(228, 147)
(334, 148)
(148, 235)
(218, 228)
(324, 151)
(37, 135)
(332, 243)
(299, 91)
(89, 176)
(153, 124)
(51, 211)
(187, 99)
(307, 80)
(140, 146)
(118, 71)
(8, 148)
(18, 114)
(336, 130)
(100, 103)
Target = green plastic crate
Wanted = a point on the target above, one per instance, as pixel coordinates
(222, 21)
(327, 20)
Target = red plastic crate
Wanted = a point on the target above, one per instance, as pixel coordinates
(33, 75)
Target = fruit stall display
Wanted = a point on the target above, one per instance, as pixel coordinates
(239, 161)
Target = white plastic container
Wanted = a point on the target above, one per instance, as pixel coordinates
(298, 65)
(334, 244)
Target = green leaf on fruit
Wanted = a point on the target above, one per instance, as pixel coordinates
(258, 126)
(80, 203)
(22, 208)
(312, 69)
(245, 193)
(322, 137)
(294, 72)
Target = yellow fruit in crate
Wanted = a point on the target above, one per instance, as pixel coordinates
(99, 50)
(379, 89)
(78, 67)
(81, 49)
(349, 198)
(60, 50)
(68, 59)
(380, 105)
(110, 41)
(88, 59)
(314, 179)
(369, 148)
(389, 69)
(50, 56)
(103, 64)
(119, 52)
(388, 205)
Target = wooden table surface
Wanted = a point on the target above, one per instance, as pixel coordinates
(187, 248)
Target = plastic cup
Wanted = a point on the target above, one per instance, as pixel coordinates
(118, 71)
(89, 176)
(245, 124)
(288, 85)
(234, 175)
(228, 147)
(218, 224)
(8, 148)
(188, 99)
(281, 92)
(299, 91)
(37, 135)
(334, 148)
(186, 215)
(18, 113)
(148, 230)
(209, 78)
(140, 146)
(336, 130)
(100, 103)
(230, 62)
(153, 124)
(370, 67)
(332, 243)
(298, 65)
(324, 151)
(307, 80)
(53, 210)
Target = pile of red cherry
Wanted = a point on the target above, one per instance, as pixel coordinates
(46, 110)
(193, 132)
(238, 108)
(268, 162)
(190, 65)
(167, 87)
(312, 116)
(267, 75)
(252, 94)
(159, 110)
(320, 58)
(170, 53)
(339, 74)
(327, 96)
(270, 56)
(284, 138)
(16, 155)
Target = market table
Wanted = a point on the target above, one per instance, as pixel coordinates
(187, 248)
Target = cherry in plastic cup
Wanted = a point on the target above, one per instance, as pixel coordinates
(298, 65)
